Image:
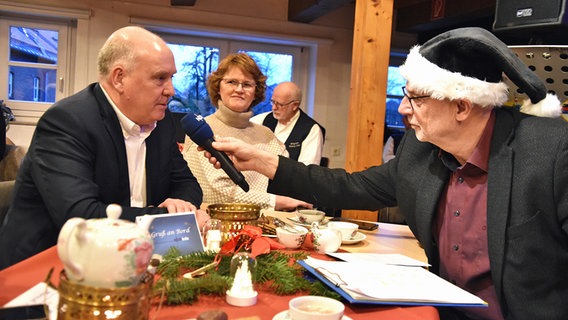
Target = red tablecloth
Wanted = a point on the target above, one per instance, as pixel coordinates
(24, 275)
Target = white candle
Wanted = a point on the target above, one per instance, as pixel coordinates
(242, 293)
(242, 285)
(213, 240)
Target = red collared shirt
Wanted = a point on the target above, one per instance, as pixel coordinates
(461, 227)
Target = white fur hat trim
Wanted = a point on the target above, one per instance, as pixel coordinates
(426, 77)
(547, 107)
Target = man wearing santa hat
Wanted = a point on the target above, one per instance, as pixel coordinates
(483, 187)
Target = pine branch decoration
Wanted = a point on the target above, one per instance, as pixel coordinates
(277, 270)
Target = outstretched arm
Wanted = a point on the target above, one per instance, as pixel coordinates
(245, 156)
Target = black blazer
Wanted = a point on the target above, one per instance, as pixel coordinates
(76, 165)
(527, 209)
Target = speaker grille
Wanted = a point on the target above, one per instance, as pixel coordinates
(550, 63)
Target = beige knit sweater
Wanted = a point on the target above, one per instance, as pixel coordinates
(216, 184)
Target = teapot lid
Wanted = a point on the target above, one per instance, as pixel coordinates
(112, 221)
(113, 211)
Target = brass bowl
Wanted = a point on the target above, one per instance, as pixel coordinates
(233, 217)
(234, 211)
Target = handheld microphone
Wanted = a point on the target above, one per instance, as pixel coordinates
(200, 132)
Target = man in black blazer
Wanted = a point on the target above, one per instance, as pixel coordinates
(113, 142)
(484, 188)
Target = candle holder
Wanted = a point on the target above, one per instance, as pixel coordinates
(242, 293)
(233, 217)
(77, 301)
(212, 235)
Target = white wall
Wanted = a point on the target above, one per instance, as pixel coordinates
(258, 17)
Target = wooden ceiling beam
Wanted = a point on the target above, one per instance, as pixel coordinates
(306, 11)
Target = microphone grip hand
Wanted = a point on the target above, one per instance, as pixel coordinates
(228, 166)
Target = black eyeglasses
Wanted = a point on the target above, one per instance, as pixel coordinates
(405, 93)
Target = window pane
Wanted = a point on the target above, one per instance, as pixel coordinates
(392, 117)
(33, 84)
(277, 68)
(194, 64)
(394, 97)
(33, 45)
(395, 82)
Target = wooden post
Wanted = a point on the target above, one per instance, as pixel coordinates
(369, 74)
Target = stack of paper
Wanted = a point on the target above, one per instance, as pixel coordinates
(402, 283)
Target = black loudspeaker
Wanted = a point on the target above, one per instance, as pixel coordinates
(534, 14)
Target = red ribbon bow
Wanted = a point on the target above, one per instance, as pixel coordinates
(249, 238)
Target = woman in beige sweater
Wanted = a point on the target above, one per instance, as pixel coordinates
(234, 88)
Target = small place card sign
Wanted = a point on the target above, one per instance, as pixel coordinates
(168, 230)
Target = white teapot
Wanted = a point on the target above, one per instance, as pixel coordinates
(106, 253)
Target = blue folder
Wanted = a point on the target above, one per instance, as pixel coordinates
(337, 288)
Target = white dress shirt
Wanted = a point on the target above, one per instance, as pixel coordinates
(135, 143)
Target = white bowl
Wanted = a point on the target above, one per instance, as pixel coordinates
(315, 308)
(292, 240)
(308, 216)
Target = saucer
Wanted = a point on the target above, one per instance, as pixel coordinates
(357, 238)
(285, 316)
(297, 221)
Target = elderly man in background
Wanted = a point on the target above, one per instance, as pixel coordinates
(302, 135)
(113, 142)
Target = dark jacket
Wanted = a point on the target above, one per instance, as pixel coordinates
(527, 205)
(76, 165)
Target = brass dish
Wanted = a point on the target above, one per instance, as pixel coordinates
(233, 217)
(234, 211)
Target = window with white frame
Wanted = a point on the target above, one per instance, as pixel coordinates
(37, 63)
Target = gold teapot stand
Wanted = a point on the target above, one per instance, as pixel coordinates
(78, 301)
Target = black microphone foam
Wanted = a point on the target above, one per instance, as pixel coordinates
(200, 132)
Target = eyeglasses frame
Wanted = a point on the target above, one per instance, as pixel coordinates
(282, 105)
(239, 83)
(405, 93)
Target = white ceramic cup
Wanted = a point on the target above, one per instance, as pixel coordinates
(291, 240)
(315, 308)
(308, 216)
(348, 230)
(326, 240)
